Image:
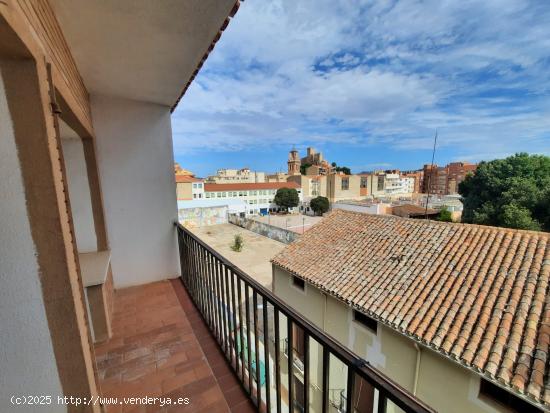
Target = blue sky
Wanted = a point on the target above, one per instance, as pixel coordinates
(368, 82)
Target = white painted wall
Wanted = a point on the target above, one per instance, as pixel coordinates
(375, 209)
(136, 168)
(27, 361)
(79, 194)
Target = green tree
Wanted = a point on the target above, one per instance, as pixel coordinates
(343, 169)
(513, 192)
(445, 215)
(286, 198)
(304, 167)
(319, 204)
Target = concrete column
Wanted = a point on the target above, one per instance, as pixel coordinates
(48, 210)
(95, 193)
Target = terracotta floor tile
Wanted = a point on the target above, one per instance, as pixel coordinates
(158, 349)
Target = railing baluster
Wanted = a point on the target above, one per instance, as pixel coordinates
(277, 358)
(212, 275)
(219, 302)
(266, 356)
(290, 364)
(200, 282)
(248, 350)
(257, 348)
(306, 372)
(241, 326)
(326, 360)
(210, 314)
(382, 402)
(227, 310)
(234, 349)
(349, 389)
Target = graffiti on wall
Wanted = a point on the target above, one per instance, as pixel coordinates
(270, 231)
(202, 217)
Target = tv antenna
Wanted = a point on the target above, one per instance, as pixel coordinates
(430, 176)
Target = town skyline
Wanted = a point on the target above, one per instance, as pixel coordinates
(204, 172)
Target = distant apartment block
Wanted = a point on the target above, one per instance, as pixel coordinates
(388, 183)
(230, 176)
(189, 187)
(444, 180)
(258, 196)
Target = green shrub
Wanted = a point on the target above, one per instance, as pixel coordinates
(238, 243)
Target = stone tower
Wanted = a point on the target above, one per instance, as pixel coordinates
(294, 162)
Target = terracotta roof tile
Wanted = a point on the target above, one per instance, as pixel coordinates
(477, 294)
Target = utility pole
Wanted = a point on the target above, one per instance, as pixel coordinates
(430, 177)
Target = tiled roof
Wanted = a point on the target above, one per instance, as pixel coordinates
(187, 179)
(477, 294)
(249, 186)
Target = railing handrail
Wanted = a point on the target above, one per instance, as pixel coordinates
(404, 400)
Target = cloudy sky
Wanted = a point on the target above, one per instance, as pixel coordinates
(368, 83)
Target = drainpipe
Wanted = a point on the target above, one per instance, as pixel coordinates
(325, 314)
(417, 367)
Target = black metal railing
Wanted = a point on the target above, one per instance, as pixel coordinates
(256, 345)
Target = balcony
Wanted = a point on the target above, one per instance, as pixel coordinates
(190, 339)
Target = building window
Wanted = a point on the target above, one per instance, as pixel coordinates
(505, 398)
(364, 182)
(345, 184)
(207, 194)
(298, 283)
(365, 321)
(194, 195)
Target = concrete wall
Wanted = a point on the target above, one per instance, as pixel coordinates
(184, 190)
(27, 361)
(375, 209)
(135, 160)
(79, 194)
(387, 350)
(270, 231)
(202, 216)
(335, 191)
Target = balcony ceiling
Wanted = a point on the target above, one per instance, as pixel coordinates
(140, 49)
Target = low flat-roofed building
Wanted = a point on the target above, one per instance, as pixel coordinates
(414, 211)
(258, 196)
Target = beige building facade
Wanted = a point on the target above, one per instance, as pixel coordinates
(236, 176)
(440, 382)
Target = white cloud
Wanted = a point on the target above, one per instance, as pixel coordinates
(375, 72)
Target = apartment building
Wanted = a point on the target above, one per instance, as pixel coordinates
(388, 183)
(444, 180)
(234, 176)
(277, 177)
(189, 187)
(258, 196)
(456, 314)
(343, 187)
(418, 177)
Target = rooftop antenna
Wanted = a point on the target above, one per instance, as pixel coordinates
(430, 176)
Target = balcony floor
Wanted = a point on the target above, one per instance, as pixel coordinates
(162, 348)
